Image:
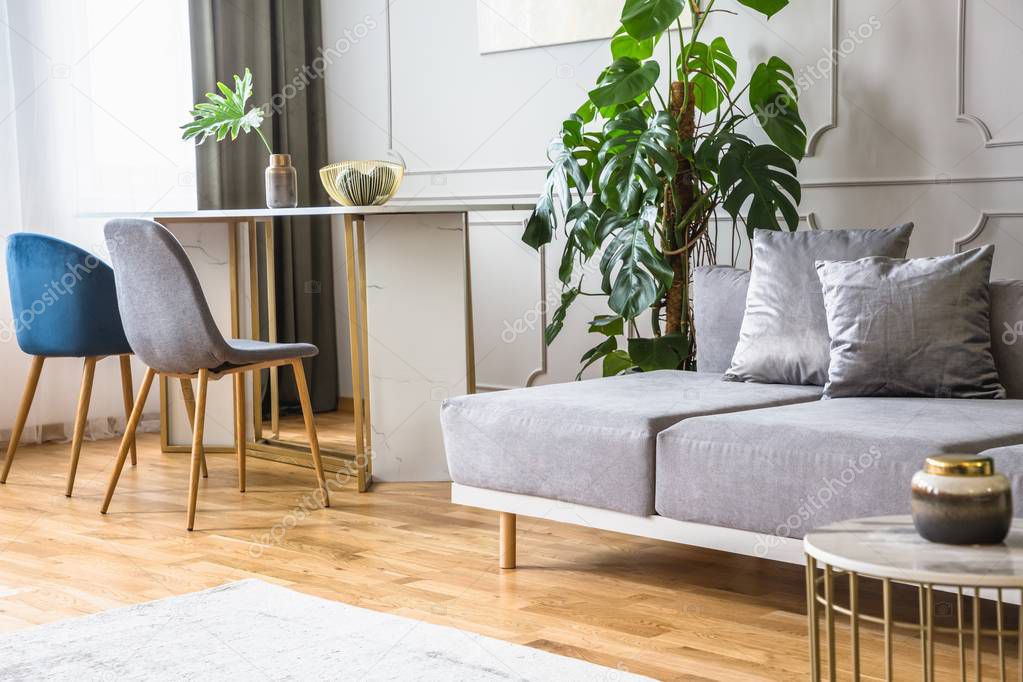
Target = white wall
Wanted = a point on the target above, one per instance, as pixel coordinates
(890, 143)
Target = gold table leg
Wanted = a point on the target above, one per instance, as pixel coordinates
(271, 325)
(854, 623)
(888, 625)
(266, 445)
(969, 630)
(356, 327)
(811, 616)
(367, 422)
(470, 332)
(257, 384)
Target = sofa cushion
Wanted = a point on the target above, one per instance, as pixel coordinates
(589, 442)
(719, 303)
(911, 327)
(784, 334)
(1007, 334)
(1009, 461)
(786, 470)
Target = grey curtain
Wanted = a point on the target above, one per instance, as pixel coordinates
(277, 40)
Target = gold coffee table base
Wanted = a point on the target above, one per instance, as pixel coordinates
(968, 636)
(882, 603)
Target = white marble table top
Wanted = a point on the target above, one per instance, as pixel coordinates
(889, 547)
(393, 207)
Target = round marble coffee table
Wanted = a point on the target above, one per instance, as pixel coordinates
(887, 550)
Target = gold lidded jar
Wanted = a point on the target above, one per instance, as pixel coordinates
(961, 500)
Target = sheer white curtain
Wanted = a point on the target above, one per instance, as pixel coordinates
(91, 94)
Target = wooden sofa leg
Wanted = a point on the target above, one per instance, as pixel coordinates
(507, 540)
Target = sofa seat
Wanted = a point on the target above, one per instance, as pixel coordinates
(588, 442)
(1009, 461)
(784, 471)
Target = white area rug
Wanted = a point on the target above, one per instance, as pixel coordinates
(252, 630)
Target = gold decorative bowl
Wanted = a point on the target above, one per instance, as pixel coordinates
(362, 183)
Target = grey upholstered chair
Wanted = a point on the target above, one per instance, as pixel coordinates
(169, 326)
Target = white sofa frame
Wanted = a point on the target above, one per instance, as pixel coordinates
(512, 505)
(743, 542)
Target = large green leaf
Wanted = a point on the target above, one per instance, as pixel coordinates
(637, 159)
(587, 153)
(662, 352)
(766, 176)
(617, 362)
(626, 80)
(707, 157)
(558, 318)
(567, 264)
(605, 347)
(565, 173)
(634, 271)
(766, 7)
(608, 325)
(712, 68)
(624, 45)
(542, 223)
(587, 111)
(584, 237)
(224, 114)
(647, 18)
(775, 100)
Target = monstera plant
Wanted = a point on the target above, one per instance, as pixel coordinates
(639, 175)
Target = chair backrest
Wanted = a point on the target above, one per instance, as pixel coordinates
(62, 299)
(166, 317)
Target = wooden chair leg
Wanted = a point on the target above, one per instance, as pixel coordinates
(81, 417)
(507, 557)
(197, 452)
(239, 426)
(129, 400)
(310, 426)
(19, 422)
(189, 396)
(129, 429)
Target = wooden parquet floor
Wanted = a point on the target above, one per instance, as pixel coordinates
(662, 610)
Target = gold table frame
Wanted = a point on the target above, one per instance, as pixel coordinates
(359, 463)
(968, 632)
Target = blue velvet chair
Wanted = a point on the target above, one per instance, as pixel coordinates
(64, 305)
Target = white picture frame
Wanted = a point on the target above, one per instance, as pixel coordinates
(506, 25)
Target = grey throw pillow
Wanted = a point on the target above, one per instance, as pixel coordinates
(784, 337)
(918, 327)
(1006, 334)
(719, 301)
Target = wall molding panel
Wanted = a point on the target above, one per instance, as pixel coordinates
(808, 184)
(816, 135)
(902, 150)
(963, 115)
(981, 226)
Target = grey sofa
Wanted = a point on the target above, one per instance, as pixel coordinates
(742, 467)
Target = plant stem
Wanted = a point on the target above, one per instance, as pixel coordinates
(267, 144)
